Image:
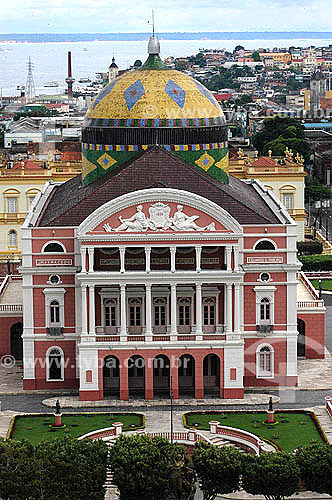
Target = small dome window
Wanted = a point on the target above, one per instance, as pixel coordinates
(265, 245)
(53, 247)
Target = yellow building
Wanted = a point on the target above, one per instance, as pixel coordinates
(284, 176)
(19, 186)
(283, 57)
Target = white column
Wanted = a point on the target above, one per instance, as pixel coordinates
(198, 308)
(122, 251)
(237, 310)
(228, 308)
(236, 258)
(173, 254)
(91, 252)
(147, 259)
(228, 250)
(123, 327)
(148, 313)
(198, 250)
(84, 311)
(92, 310)
(83, 259)
(173, 310)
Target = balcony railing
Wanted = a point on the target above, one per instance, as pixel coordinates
(55, 331)
(264, 328)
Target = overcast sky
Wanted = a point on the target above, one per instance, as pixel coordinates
(77, 16)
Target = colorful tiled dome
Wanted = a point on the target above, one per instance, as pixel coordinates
(154, 105)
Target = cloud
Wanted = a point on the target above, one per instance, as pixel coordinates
(73, 16)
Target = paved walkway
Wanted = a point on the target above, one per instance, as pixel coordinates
(74, 402)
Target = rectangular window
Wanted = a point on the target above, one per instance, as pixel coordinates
(209, 314)
(12, 204)
(184, 315)
(288, 200)
(110, 316)
(135, 315)
(160, 315)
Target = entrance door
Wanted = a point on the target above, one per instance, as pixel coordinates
(161, 376)
(16, 341)
(211, 374)
(301, 338)
(111, 376)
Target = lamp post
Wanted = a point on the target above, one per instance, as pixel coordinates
(171, 398)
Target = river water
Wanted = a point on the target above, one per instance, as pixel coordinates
(50, 59)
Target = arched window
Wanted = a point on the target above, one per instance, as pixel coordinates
(55, 364)
(12, 200)
(110, 308)
(209, 311)
(135, 312)
(184, 305)
(31, 194)
(12, 238)
(54, 313)
(159, 304)
(264, 361)
(265, 309)
(265, 245)
(53, 247)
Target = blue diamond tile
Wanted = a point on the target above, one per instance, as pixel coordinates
(175, 92)
(133, 93)
(107, 90)
(205, 92)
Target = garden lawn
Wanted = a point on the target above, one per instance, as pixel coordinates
(326, 284)
(35, 428)
(292, 431)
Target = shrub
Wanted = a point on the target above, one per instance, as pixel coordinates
(316, 262)
(309, 247)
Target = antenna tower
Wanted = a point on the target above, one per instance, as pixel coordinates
(30, 85)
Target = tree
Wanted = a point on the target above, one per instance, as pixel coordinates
(151, 468)
(15, 469)
(255, 55)
(315, 463)
(274, 475)
(218, 469)
(285, 131)
(69, 469)
(315, 190)
(137, 63)
(198, 59)
(238, 48)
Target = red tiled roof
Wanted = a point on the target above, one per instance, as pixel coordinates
(222, 97)
(264, 161)
(28, 165)
(71, 156)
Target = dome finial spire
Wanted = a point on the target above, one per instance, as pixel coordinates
(154, 45)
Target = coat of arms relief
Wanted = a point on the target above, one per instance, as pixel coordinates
(159, 219)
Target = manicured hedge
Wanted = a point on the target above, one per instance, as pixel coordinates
(312, 247)
(316, 262)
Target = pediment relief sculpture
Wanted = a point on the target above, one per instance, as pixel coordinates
(159, 220)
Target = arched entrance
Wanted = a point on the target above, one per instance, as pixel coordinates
(301, 338)
(136, 376)
(211, 375)
(111, 376)
(186, 372)
(16, 341)
(161, 376)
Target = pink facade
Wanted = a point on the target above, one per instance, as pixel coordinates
(118, 313)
